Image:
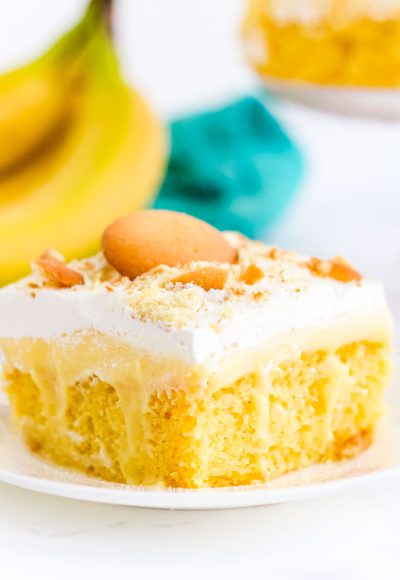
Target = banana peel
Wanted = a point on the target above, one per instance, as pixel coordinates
(87, 150)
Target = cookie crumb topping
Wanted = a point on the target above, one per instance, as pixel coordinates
(182, 294)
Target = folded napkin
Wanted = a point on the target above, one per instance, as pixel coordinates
(234, 167)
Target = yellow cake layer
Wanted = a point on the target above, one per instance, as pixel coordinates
(94, 404)
(358, 53)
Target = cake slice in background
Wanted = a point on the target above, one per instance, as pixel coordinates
(184, 357)
(335, 42)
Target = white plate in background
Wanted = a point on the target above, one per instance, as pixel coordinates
(350, 101)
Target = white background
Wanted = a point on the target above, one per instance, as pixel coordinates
(183, 54)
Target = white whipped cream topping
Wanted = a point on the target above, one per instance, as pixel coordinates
(313, 11)
(54, 312)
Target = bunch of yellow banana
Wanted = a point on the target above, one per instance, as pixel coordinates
(78, 148)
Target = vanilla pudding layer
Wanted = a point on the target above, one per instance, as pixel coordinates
(94, 402)
(332, 42)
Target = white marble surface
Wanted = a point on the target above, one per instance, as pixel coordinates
(349, 204)
(351, 537)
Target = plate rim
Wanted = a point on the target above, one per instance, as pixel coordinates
(372, 103)
(325, 88)
(190, 499)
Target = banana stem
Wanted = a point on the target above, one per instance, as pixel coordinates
(107, 8)
(104, 9)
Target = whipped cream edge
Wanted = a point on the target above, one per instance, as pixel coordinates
(314, 11)
(56, 313)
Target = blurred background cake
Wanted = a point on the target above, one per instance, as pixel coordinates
(330, 42)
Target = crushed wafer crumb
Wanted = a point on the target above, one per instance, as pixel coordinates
(258, 295)
(337, 269)
(58, 273)
(252, 274)
(52, 254)
(208, 278)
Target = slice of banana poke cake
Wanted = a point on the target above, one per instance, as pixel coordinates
(184, 357)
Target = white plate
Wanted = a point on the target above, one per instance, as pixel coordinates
(357, 102)
(18, 467)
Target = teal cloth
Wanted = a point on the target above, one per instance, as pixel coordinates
(233, 167)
